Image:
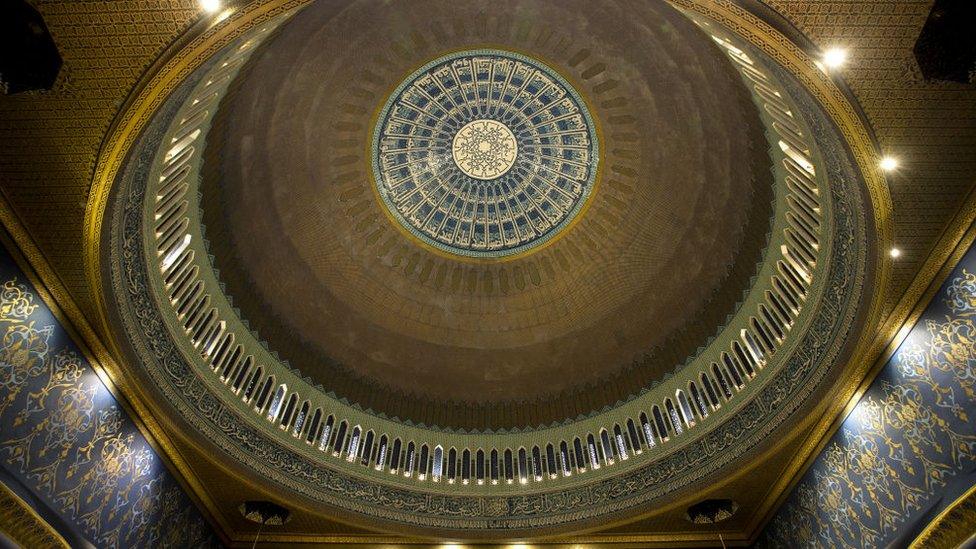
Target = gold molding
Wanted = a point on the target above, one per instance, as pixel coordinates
(21, 523)
(953, 526)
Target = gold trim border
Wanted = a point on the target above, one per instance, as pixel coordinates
(21, 523)
(953, 526)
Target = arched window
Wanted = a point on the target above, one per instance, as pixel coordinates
(710, 390)
(438, 465)
(523, 466)
(733, 370)
(578, 454)
(673, 416)
(618, 437)
(591, 452)
(722, 381)
(537, 465)
(698, 400)
(480, 466)
(764, 337)
(408, 464)
(494, 466)
(564, 458)
(635, 441)
(745, 359)
(326, 433)
(352, 448)
(367, 454)
(314, 426)
(662, 430)
(607, 453)
(242, 374)
(451, 465)
(422, 463)
(340, 438)
(395, 456)
(647, 430)
(276, 402)
(263, 399)
(381, 452)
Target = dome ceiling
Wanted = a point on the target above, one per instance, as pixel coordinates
(503, 272)
(566, 291)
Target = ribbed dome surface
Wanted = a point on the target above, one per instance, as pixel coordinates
(645, 265)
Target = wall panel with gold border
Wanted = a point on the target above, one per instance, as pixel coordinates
(69, 448)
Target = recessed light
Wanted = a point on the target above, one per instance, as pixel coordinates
(889, 163)
(834, 57)
(210, 5)
(895, 253)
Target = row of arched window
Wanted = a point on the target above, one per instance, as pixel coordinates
(700, 395)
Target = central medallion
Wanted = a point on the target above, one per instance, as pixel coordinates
(484, 149)
(484, 153)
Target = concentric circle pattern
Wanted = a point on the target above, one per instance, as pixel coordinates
(484, 153)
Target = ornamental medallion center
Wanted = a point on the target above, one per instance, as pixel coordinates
(484, 149)
(484, 153)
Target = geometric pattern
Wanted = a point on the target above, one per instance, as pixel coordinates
(484, 153)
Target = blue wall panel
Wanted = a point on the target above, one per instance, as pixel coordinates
(66, 445)
(908, 449)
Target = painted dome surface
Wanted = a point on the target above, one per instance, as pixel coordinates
(624, 233)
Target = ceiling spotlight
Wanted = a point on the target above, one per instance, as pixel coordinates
(210, 6)
(834, 57)
(895, 253)
(888, 163)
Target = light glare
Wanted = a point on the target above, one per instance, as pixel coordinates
(895, 253)
(889, 163)
(210, 5)
(835, 57)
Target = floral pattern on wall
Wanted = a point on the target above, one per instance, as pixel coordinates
(909, 436)
(66, 439)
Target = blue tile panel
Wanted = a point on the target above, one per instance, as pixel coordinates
(67, 441)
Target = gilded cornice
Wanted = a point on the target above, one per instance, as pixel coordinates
(21, 523)
(952, 527)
